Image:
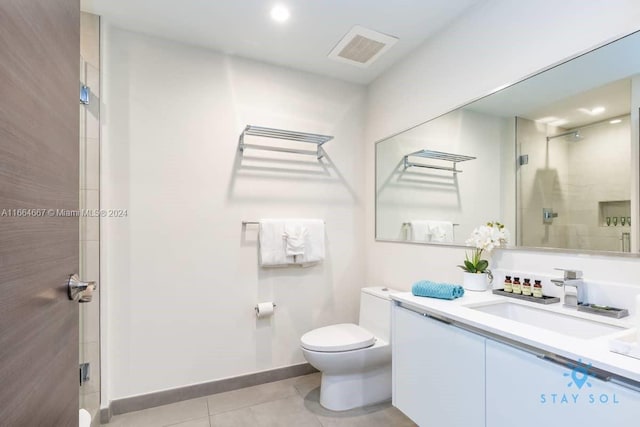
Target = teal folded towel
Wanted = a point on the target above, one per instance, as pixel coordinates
(426, 288)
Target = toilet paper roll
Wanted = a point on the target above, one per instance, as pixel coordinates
(264, 309)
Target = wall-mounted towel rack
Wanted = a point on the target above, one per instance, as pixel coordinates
(250, 223)
(436, 155)
(408, 224)
(310, 138)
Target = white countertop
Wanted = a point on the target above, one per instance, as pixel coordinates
(594, 350)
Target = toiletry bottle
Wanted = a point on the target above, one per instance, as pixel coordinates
(526, 287)
(537, 289)
(516, 286)
(507, 284)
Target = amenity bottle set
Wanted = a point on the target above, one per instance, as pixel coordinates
(514, 286)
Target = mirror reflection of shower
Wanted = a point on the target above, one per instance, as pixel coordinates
(576, 180)
(575, 134)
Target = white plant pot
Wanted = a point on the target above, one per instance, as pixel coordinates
(475, 281)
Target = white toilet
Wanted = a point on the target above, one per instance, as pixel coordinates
(355, 360)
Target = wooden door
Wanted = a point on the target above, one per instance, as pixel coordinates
(39, 57)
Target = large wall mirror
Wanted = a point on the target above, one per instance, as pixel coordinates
(553, 157)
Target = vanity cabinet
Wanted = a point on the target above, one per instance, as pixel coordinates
(525, 390)
(446, 376)
(438, 371)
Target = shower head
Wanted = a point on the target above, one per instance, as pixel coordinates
(571, 136)
(574, 137)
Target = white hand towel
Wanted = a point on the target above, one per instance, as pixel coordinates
(441, 231)
(314, 243)
(272, 244)
(295, 235)
(419, 230)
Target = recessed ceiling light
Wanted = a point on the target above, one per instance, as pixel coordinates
(592, 112)
(559, 122)
(280, 13)
(547, 119)
(615, 121)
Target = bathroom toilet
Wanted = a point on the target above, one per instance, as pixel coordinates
(355, 360)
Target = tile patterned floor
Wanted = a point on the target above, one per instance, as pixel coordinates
(289, 403)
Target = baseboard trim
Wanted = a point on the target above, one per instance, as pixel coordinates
(150, 400)
(105, 414)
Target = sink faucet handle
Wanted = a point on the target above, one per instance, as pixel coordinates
(570, 274)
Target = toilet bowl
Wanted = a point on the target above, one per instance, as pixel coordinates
(355, 360)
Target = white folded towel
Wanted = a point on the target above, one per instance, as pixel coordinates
(314, 242)
(295, 236)
(272, 243)
(419, 230)
(441, 231)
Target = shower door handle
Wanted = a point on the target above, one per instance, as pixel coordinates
(80, 291)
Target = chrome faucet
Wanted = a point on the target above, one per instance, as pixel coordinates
(575, 290)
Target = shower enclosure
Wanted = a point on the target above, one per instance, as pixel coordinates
(89, 186)
(574, 185)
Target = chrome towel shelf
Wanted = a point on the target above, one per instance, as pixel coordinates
(311, 138)
(436, 155)
(408, 224)
(245, 223)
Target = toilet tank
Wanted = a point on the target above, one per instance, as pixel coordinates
(375, 311)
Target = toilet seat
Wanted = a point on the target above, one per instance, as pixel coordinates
(336, 338)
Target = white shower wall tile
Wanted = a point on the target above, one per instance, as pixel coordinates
(90, 264)
(92, 119)
(91, 320)
(90, 38)
(90, 221)
(92, 165)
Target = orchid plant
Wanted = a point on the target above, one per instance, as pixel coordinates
(484, 238)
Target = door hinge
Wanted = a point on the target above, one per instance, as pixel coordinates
(85, 94)
(85, 369)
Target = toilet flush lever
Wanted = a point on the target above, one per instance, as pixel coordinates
(78, 290)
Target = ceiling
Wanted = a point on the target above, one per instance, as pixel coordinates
(244, 27)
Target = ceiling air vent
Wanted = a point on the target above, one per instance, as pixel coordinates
(361, 46)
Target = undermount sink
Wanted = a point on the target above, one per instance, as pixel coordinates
(552, 321)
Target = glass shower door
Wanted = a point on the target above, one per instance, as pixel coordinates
(89, 219)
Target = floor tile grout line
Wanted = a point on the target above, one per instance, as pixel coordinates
(188, 419)
(208, 413)
(319, 420)
(249, 405)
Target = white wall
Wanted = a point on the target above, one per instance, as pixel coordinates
(181, 274)
(496, 43)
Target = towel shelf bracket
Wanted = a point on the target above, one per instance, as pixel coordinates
(436, 155)
(264, 132)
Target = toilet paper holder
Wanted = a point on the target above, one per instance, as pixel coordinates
(257, 310)
(256, 307)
